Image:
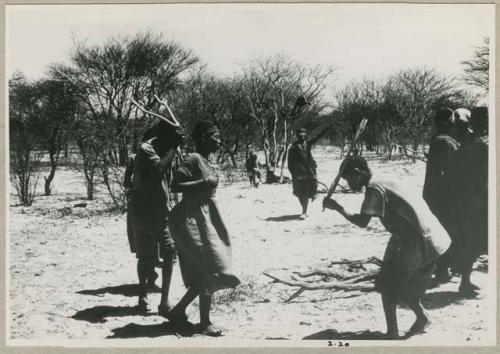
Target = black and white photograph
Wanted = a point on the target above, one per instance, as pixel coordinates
(250, 175)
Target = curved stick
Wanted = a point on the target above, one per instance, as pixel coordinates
(162, 102)
(144, 110)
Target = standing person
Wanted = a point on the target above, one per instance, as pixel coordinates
(417, 240)
(472, 198)
(252, 167)
(439, 180)
(128, 185)
(150, 210)
(202, 240)
(302, 167)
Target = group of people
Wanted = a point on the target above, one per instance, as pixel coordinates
(194, 230)
(448, 229)
(456, 189)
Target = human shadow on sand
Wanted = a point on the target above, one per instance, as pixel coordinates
(134, 330)
(440, 299)
(284, 217)
(130, 290)
(360, 335)
(98, 314)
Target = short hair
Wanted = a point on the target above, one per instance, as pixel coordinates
(479, 119)
(201, 128)
(353, 162)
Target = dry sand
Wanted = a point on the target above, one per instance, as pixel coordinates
(72, 275)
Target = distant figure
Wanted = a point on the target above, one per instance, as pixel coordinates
(472, 198)
(302, 167)
(438, 191)
(202, 240)
(417, 240)
(149, 210)
(252, 167)
(463, 129)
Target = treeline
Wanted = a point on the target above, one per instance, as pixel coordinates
(86, 102)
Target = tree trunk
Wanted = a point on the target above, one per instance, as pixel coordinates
(53, 166)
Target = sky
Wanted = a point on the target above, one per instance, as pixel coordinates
(361, 40)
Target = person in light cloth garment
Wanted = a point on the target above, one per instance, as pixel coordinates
(201, 237)
(417, 240)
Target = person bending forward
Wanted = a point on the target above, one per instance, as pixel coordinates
(417, 240)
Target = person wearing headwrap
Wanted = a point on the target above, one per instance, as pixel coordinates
(201, 237)
(302, 167)
(472, 199)
(149, 210)
(417, 240)
(462, 125)
(437, 191)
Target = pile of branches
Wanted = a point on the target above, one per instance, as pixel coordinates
(346, 275)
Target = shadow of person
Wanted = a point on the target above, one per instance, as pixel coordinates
(134, 330)
(439, 299)
(359, 335)
(98, 314)
(130, 290)
(284, 217)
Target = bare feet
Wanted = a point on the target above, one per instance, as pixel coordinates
(419, 326)
(163, 310)
(143, 304)
(391, 335)
(175, 316)
(468, 290)
(211, 330)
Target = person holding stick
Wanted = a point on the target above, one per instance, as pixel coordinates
(201, 238)
(417, 240)
(149, 210)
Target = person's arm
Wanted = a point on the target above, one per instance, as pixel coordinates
(360, 220)
(160, 165)
(180, 187)
(183, 181)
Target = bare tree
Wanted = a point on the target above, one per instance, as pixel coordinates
(25, 154)
(58, 105)
(272, 86)
(477, 68)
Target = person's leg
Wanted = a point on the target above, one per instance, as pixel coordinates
(143, 270)
(422, 320)
(466, 286)
(178, 313)
(166, 272)
(304, 203)
(390, 305)
(207, 327)
(442, 273)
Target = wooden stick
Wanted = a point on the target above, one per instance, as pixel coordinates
(295, 294)
(361, 128)
(165, 119)
(331, 285)
(164, 103)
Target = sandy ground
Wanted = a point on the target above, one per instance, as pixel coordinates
(72, 275)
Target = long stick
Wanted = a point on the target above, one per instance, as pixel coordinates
(165, 119)
(164, 103)
(361, 127)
